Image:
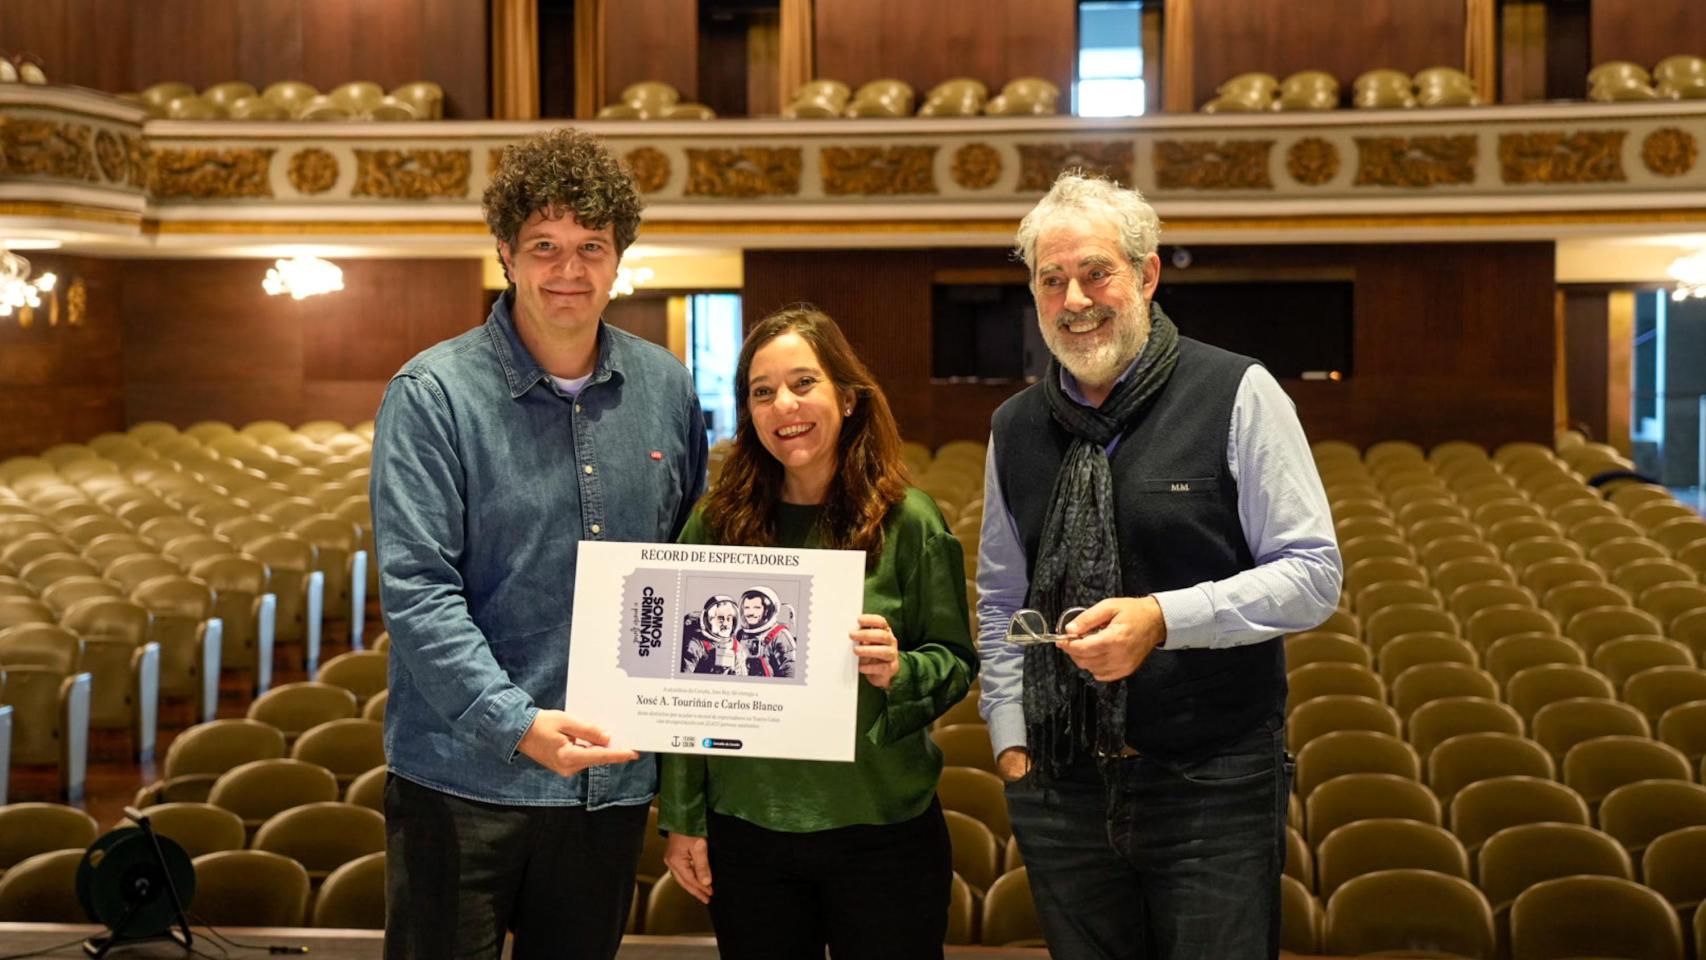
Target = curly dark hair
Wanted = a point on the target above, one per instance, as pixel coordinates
(562, 169)
(870, 477)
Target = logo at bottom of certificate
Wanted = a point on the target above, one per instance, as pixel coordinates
(720, 743)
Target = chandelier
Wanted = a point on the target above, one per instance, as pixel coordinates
(17, 290)
(627, 278)
(303, 277)
(1690, 275)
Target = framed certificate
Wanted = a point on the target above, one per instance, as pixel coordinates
(737, 651)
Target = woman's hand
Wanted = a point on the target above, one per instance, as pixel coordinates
(689, 861)
(877, 649)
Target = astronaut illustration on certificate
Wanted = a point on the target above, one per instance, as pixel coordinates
(751, 634)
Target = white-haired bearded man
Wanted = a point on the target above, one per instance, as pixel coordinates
(1166, 486)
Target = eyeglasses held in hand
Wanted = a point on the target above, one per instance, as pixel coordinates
(1030, 626)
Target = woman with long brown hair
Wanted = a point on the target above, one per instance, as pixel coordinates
(793, 856)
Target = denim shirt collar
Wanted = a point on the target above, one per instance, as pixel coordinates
(522, 371)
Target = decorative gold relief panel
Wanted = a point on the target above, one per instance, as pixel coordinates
(1312, 161)
(650, 167)
(46, 148)
(418, 174)
(198, 173)
(1670, 151)
(878, 171)
(313, 170)
(1416, 162)
(1213, 164)
(743, 172)
(1041, 163)
(1586, 156)
(976, 166)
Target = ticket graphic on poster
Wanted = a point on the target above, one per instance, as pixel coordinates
(742, 651)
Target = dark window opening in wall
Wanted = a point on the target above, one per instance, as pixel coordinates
(556, 59)
(1110, 59)
(1298, 329)
(988, 333)
(984, 333)
(740, 44)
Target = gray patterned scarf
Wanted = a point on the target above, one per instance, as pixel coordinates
(1078, 561)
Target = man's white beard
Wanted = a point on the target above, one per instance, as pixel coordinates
(1100, 362)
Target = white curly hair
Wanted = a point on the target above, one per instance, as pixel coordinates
(1076, 193)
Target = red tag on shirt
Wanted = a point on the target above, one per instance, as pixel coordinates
(657, 454)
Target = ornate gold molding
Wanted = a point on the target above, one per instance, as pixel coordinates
(1586, 156)
(1312, 161)
(123, 159)
(1041, 163)
(1213, 164)
(46, 148)
(417, 174)
(312, 170)
(650, 167)
(1670, 151)
(1415, 162)
(743, 172)
(210, 174)
(976, 166)
(878, 171)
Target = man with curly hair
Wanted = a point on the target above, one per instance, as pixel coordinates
(495, 454)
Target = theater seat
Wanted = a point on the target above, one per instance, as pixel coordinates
(1594, 917)
(672, 911)
(353, 896)
(28, 829)
(322, 836)
(1485, 807)
(1009, 912)
(1415, 912)
(249, 888)
(43, 889)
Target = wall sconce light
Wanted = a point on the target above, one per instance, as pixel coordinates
(303, 277)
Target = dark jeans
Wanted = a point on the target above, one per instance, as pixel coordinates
(460, 873)
(862, 891)
(1167, 861)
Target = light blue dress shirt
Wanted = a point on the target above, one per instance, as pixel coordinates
(1287, 525)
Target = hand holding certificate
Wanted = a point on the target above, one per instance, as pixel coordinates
(724, 650)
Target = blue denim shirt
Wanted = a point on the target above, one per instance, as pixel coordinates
(485, 479)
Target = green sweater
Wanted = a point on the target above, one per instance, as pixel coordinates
(919, 586)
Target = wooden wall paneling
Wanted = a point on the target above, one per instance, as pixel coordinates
(644, 315)
(881, 300)
(557, 59)
(62, 384)
(454, 53)
(652, 40)
(1342, 37)
(926, 43)
(1450, 341)
(204, 341)
(1481, 47)
(1154, 45)
(1178, 63)
(1646, 31)
(118, 45)
(723, 56)
(1569, 51)
(1587, 321)
(1620, 368)
(1522, 51)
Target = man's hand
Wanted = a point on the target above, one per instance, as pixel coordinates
(562, 743)
(689, 862)
(1112, 638)
(1014, 763)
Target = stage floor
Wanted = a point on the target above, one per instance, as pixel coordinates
(365, 944)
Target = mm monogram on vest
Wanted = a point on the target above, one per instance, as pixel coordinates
(1179, 485)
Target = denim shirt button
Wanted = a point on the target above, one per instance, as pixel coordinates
(587, 468)
(595, 528)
